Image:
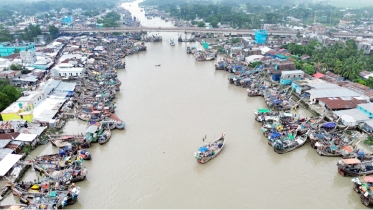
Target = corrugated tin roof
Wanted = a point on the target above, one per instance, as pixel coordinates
(369, 122)
(3, 143)
(4, 152)
(368, 106)
(330, 93)
(339, 103)
(8, 162)
(354, 113)
(9, 135)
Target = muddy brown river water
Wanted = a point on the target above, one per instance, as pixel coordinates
(167, 110)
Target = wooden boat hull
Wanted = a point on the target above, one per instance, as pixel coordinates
(303, 140)
(108, 135)
(204, 160)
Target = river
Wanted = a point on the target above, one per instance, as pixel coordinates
(168, 110)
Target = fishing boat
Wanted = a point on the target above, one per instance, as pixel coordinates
(13, 206)
(363, 186)
(84, 154)
(93, 132)
(84, 116)
(354, 167)
(261, 111)
(210, 151)
(104, 137)
(282, 147)
(52, 198)
(120, 125)
(254, 92)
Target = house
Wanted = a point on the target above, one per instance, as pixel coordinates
(28, 57)
(288, 76)
(13, 126)
(305, 57)
(25, 79)
(365, 47)
(8, 49)
(341, 103)
(18, 110)
(33, 97)
(302, 85)
(365, 74)
(4, 63)
(351, 117)
(328, 90)
(318, 75)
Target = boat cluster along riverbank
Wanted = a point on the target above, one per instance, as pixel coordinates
(286, 131)
(91, 102)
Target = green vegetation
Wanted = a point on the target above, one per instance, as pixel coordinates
(343, 59)
(256, 63)
(15, 67)
(34, 7)
(53, 31)
(29, 33)
(239, 13)
(235, 40)
(5, 35)
(26, 149)
(8, 94)
(201, 24)
(369, 141)
(110, 19)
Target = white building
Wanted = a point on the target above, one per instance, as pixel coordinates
(31, 20)
(28, 57)
(66, 71)
(34, 97)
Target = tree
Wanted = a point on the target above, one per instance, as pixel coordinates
(15, 67)
(298, 34)
(308, 69)
(16, 51)
(214, 23)
(201, 24)
(5, 35)
(53, 30)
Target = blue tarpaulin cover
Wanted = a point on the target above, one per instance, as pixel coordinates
(329, 125)
(275, 135)
(277, 102)
(202, 149)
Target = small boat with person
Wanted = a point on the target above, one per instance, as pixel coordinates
(104, 137)
(282, 147)
(354, 167)
(210, 151)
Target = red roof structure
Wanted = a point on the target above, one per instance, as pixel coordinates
(318, 75)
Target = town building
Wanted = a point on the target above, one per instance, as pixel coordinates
(28, 57)
(287, 77)
(18, 110)
(8, 49)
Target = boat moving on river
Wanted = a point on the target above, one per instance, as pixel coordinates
(210, 151)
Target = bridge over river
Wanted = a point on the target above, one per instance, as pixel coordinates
(203, 30)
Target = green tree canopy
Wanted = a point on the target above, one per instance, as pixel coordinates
(201, 24)
(53, 30)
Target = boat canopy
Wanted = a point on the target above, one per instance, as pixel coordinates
(274, 118)
(264, 110)
(275, 135)
(368, 179)
(287, 114)
(351, 161)
(329, 125)
(347, 148)
(277, 101)
(203, 149)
